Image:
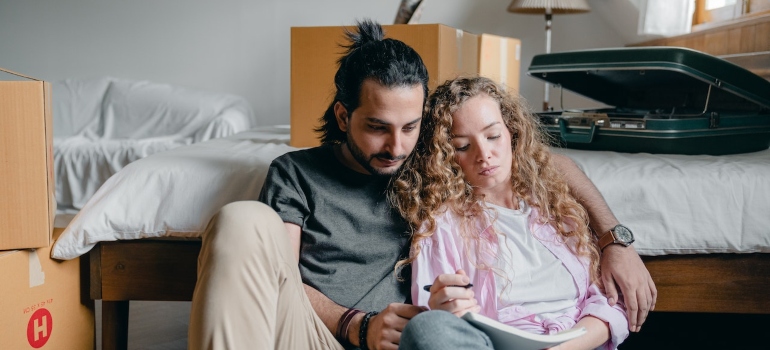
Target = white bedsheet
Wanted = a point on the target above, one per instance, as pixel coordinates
(678, 204)
(83, 165)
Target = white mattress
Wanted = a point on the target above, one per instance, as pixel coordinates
(675, 204)
(678, 204)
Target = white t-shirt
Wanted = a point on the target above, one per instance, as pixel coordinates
(536, 279)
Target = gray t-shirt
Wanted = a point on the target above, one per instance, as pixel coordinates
(351, 237)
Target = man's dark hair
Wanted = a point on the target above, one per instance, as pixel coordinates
(389, 62)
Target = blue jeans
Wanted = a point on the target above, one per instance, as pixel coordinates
(442, 330)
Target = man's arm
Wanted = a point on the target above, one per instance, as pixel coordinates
(329, 311)
(621, 265)
(601, 217)
(384, 330)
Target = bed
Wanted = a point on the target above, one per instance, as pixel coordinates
(702, 222)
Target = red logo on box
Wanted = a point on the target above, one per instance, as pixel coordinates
(39, 328)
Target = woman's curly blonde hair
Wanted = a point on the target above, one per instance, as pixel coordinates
(431, 181)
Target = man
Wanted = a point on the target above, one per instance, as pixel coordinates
(334, 222)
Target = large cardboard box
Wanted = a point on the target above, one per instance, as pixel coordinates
(500, 60)
(27, 203)
(40, 303)
(447, 52)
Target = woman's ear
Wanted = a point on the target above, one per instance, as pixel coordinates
(341, 113)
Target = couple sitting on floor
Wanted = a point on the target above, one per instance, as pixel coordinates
(408, 190)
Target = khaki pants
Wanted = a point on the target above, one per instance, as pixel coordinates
(249, 293)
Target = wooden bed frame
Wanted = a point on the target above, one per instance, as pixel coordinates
(165, 270)
(146, 269)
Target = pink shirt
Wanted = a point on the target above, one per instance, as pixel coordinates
(444, 253)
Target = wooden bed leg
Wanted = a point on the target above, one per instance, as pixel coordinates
(115, 325)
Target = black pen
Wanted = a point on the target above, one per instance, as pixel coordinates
(427, 287)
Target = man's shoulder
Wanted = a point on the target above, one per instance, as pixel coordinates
(302, 168)
(303, 157)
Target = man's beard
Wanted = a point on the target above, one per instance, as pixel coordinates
(365, 161)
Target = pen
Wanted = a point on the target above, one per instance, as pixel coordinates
(427, 287)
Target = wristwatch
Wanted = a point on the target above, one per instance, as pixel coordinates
(617, 235)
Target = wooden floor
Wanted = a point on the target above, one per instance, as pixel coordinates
(685, 330)
(153, 325)
(158, 325)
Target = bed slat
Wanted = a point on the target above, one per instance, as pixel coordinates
(147, 270)
(719, 283)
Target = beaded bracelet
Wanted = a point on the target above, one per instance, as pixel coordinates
(362, 331)
(343, 325)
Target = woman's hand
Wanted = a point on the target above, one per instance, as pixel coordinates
(447, 293)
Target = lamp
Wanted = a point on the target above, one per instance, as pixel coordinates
(549, 8)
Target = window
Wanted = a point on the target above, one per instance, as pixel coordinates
(715, 4)
(723, 10)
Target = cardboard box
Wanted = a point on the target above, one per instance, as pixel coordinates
(500, 60)
(447, 52)
(27, 202)
(40, 303)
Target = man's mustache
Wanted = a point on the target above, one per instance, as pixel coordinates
(388, 156)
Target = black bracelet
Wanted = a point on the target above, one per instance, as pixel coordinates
(362, 330)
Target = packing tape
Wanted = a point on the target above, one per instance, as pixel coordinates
(504, 62)
(459, 45)
(518, 51)
(36, 274)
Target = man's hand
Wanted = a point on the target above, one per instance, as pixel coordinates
(622, 266)
(446, 294)
(384, 330)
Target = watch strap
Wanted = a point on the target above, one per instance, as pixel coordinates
(607, 239)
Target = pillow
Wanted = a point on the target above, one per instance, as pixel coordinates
(142, 109)
(174, 193)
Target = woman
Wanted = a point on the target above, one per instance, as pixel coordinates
(487, 207)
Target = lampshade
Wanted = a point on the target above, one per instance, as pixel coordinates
(556, 6)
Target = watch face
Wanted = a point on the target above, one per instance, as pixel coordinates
(623, 234)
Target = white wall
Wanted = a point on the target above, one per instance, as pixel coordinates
(241, 46)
